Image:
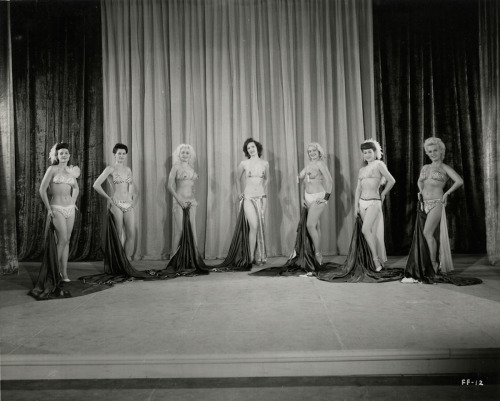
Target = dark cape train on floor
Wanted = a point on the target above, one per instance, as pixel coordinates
(49, 284)
(302, 260)
(238, 257)
(419, 265)
(117, 267)
(359, 266)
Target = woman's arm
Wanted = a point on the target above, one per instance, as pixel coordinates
(98, 183)
(239, 173)
(75, 191)
(266, 176)
(457, 181)
(133, 192)
(172, 187)
(421, 179)
(328, 177)
(43, 189)
(357, 195)
(390, 180)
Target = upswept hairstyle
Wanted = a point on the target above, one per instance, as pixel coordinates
(438, 142)
(53, 151)
(319, 148)
(259, 146)
(176, 156)
(374, 145)
(120, 146)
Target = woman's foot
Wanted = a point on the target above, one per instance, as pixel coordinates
(435, 266)
(378, 264)
(319, 257)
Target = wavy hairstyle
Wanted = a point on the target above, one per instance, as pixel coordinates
(319, 148)
(53, 152)
(259, 146)
(438, 142)
(120, 146)
(374, 145)
(176, 156)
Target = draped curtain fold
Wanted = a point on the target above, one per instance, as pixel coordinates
(427, 84)
(57, 83)
(489, 51)
(212, 73)
(8, 242)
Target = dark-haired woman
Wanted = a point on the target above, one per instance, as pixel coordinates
(124, 197)
(248, 245)
(367, 251)
(60, 179)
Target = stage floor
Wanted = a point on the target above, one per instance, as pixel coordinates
(234, 325)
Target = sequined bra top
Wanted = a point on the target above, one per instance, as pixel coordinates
(370, 171)
(118, 179)
(259, 173)
(63, 179)
(183, 174)
(436, 175)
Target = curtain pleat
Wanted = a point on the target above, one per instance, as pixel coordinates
(8, 233)
(427, 84)
(57, 83)
(489, 52)
(213, 73)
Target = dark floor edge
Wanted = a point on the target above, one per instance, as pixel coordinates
(465, 379)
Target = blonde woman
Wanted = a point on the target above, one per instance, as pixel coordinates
(425, 261)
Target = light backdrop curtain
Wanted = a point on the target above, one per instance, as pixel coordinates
(212, 73)
(489, 58)
(8, 240)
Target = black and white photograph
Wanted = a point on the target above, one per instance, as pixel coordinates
(239, 200)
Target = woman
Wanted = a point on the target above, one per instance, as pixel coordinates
(369, 200)
(248, 243)
(61, 180)
(318, 183)
(181, 180)
(367, 250)
(432, 200)
(318, 186)
(123, 199)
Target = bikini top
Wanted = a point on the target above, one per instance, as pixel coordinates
(63, 179)
(259, 172)
(369, 171)
(118, 179)
(436, 175)
(73, 172)
(183, 174)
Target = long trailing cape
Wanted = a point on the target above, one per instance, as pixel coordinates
(238, 256)
(419, 265)
(49, 284)
(187, 261)
(359, 266)
(302, 260)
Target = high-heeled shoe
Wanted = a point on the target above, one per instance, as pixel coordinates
(380, 265)
(319, 257)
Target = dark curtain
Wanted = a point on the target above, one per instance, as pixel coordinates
(57, 81)
(426, 58)
(8, 245)
(489, 38)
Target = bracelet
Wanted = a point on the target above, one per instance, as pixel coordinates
(327, 196)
